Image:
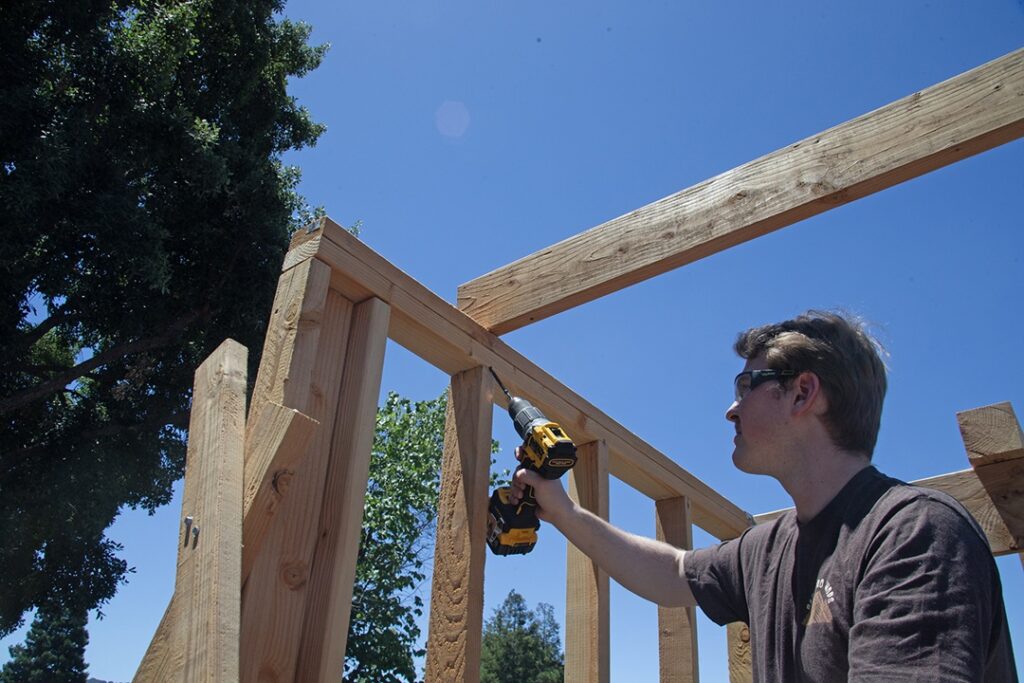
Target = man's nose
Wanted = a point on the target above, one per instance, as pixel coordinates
(731, 415)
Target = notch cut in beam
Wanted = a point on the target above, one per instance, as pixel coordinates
(960, 117)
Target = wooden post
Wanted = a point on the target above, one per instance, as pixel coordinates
(198, 638)
(740, 669)
(995, 449)
(307, 376)
(293, 336)
(677, 626)
(457, 594)
(586, 612)
(329, 598)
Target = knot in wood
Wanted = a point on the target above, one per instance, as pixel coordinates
(294, 574)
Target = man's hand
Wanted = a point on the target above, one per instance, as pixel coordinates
(649, 568)
(552, 501)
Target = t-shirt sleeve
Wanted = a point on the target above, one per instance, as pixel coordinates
(923, 609)
(715, 576)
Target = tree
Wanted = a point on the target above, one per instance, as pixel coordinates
(54, 650)
(399, 519)
(521, 646)
(145, 214)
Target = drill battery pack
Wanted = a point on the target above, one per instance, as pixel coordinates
(511, 529)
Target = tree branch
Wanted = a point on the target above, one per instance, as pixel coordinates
(59, 381)
(33, 335)
(174, 419)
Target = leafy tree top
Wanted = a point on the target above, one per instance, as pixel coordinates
(521, 645)
(145, 215)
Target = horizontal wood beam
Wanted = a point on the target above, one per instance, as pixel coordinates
(968, 489)
(945, 123)
(442, 335)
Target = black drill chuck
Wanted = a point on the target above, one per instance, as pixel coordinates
(524, 416)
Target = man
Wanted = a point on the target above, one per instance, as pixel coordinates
(868, 578)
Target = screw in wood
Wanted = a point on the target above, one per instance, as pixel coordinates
(188, 525)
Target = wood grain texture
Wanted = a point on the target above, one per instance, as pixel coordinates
(677, 626)
(968, 489)
(444, 336)
(165, 657)
(329, 597)
(738, 643)
(457, 592)
(995, 449)
(274, 595)
(945, 123)
(587, 639)
(293, 337)
(274, 447)
(991, 434)
(198, 639)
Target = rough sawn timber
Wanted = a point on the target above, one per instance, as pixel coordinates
(457, 592)
(677, 626)
(965, 115)
(587, 609)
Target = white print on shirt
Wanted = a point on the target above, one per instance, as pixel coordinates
(818, 610)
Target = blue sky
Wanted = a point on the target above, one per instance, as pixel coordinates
(465, 135)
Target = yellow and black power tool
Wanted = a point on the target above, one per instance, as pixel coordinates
(547, 450)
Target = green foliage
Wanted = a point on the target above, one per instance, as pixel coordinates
(520, 645)
(145, 215)
(399, 520)
(54, 651)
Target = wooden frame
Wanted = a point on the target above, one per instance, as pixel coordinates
(281, 490)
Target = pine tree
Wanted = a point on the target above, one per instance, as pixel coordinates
(521, 646)
(54, 650)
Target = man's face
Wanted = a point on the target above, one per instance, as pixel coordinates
(760, 418)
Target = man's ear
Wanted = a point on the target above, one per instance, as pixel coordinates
(807, 395)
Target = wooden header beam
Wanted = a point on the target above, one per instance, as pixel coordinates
(447, 338)
(960, 117)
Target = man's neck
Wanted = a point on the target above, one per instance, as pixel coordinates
(820, 478)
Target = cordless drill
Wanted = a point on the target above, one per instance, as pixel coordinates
(547, 450)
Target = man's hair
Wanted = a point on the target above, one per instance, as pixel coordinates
(845, 357)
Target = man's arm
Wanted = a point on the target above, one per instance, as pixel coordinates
(649, 568)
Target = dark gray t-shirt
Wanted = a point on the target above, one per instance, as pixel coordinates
(889, 582)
